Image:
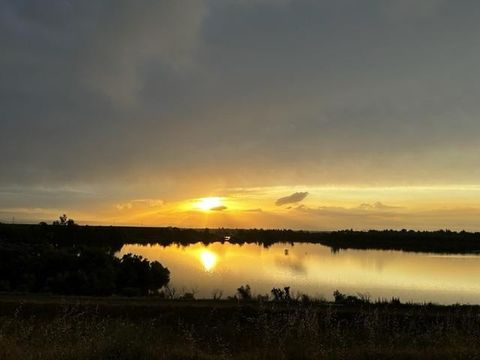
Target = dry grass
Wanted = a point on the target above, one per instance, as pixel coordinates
(220, 330)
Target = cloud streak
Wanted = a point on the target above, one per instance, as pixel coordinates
(219, 208)
(376, 206)
(291, 199)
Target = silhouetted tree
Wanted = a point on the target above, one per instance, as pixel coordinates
(77, 270)
(63, 220)
(135, 272)
(244, 292)
(281, 295)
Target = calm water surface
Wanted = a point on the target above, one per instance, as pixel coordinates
(315, 270)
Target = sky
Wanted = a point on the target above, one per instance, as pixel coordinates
(301, 114)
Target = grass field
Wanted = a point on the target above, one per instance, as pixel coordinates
(52, 327)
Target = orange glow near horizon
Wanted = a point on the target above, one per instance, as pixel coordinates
(456, 207)
(209, 203)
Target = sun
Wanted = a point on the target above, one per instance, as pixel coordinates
(208, 203)
(208, 259)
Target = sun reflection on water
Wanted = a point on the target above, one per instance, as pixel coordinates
(209, 259)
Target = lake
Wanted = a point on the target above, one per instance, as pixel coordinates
(315, 270)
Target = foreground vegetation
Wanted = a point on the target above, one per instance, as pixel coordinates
(44, 327)
(76, 269)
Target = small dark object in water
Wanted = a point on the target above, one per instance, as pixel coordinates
(286, 252)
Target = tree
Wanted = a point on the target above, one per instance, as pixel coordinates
(63, 220)
(281, 295)
(159, 276)
(138, 273)
(244, 292)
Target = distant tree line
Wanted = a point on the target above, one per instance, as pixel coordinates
(440, 241)
(66, 233)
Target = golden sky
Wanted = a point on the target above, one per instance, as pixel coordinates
(315, 208)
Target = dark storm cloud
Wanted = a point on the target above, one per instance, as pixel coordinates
(291, 199)
(71, 78)
(237, 93)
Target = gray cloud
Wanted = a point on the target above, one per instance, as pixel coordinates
(291, 199)
(136, 33)
(219, 208)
